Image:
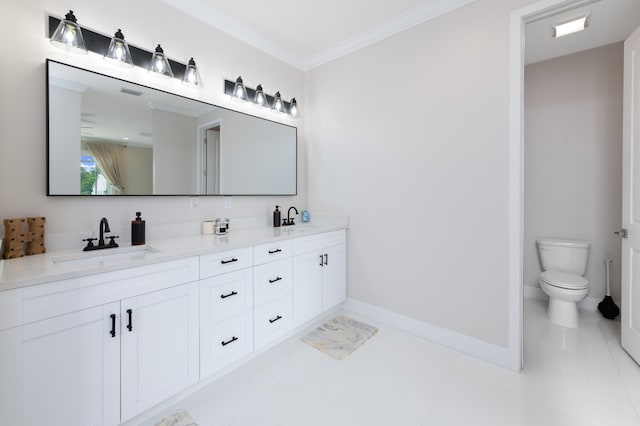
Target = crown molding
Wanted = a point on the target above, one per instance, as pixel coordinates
(424, 13)
(204, 12)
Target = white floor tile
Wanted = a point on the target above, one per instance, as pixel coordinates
(571, 377)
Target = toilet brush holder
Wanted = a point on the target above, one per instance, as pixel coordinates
(608, 307)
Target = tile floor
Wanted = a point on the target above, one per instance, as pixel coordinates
(572, 378)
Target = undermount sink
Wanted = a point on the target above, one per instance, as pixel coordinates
(105, 256)
(300, 228)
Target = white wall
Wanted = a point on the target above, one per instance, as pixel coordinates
(145, 23)
(174, 153)
(64, 116)
(573, 159)
(138, 170)
(409, 136)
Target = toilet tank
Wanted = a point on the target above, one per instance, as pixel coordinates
(563, 255)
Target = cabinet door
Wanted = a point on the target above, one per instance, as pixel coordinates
(11, 376)
(334, 289)
(307, 287)
(71, 369)
(159, 346)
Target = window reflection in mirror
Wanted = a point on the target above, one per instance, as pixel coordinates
(130, 139)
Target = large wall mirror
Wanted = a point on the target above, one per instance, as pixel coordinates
(108, 136)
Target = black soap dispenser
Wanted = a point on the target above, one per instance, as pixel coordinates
(137, 231)
(276, 218)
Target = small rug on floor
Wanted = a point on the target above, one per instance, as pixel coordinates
(339, 336)
(179, 418)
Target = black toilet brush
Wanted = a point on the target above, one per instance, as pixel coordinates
(608, 307)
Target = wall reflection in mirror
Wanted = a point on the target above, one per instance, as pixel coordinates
(111, 137)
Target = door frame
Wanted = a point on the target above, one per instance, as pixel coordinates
(519, 18)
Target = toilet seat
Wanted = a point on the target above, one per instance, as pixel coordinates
(564, 280)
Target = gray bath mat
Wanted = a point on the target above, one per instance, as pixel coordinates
(339, 336)
(179, 418)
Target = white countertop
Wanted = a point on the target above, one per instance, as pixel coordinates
(43, 268)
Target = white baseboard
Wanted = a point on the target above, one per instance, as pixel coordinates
(469, 345)
(589, 303)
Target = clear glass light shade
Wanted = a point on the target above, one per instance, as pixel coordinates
(192, 76)
(278, 105)
(259, 98)
(239, 91)
(159, 65)
(68, 35)
(293, 109)
(118, 51)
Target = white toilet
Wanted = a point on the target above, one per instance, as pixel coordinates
(564, 263)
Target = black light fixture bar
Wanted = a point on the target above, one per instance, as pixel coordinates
(99, 43)
(229, 88)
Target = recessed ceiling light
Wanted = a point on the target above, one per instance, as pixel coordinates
(571, 27)
(124, 138)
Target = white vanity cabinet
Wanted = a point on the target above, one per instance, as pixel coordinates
(226, 308)
(86, 364)
(319, 274)
(101, 348)
(272, 289)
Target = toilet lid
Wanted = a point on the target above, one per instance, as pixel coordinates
(564, 280)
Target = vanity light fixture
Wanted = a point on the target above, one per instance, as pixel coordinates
(277, 104)
(293, 108)
(192, 76)
(571, 27)
(239, 91)
(260, 98)
(68, 35)
(257, 96)
(118, 51)
(159, 65)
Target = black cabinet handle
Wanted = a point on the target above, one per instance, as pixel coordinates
(130, 326)
(224, 262)
(326, 259)
(233, 339)
(276, 319)
(321, 261)
(275, 251)
(113, 325)
(224, 296)
(275, 280)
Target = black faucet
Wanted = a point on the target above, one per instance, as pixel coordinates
(289, 220)
(104, 227)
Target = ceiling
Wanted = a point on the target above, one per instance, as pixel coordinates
(611, 21)
(307, 34)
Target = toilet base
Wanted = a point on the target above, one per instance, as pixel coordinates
(562, 313)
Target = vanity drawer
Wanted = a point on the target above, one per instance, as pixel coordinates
(227, 261)
(319, 241)
(225, 342)
(271, 321)
(224, 296)
(269, 252)
(272, 281)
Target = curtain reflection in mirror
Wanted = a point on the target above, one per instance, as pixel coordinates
(110, 160)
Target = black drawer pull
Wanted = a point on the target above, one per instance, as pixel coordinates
(326, 259)
(224, 262)
(224, 296)
(130, 326)
(275, 280)
(276, 319)
(275, 251)
(113, 325)
(233, 339)
(321, 261)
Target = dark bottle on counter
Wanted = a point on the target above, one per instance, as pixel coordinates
(137, 230)
(276, 218)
